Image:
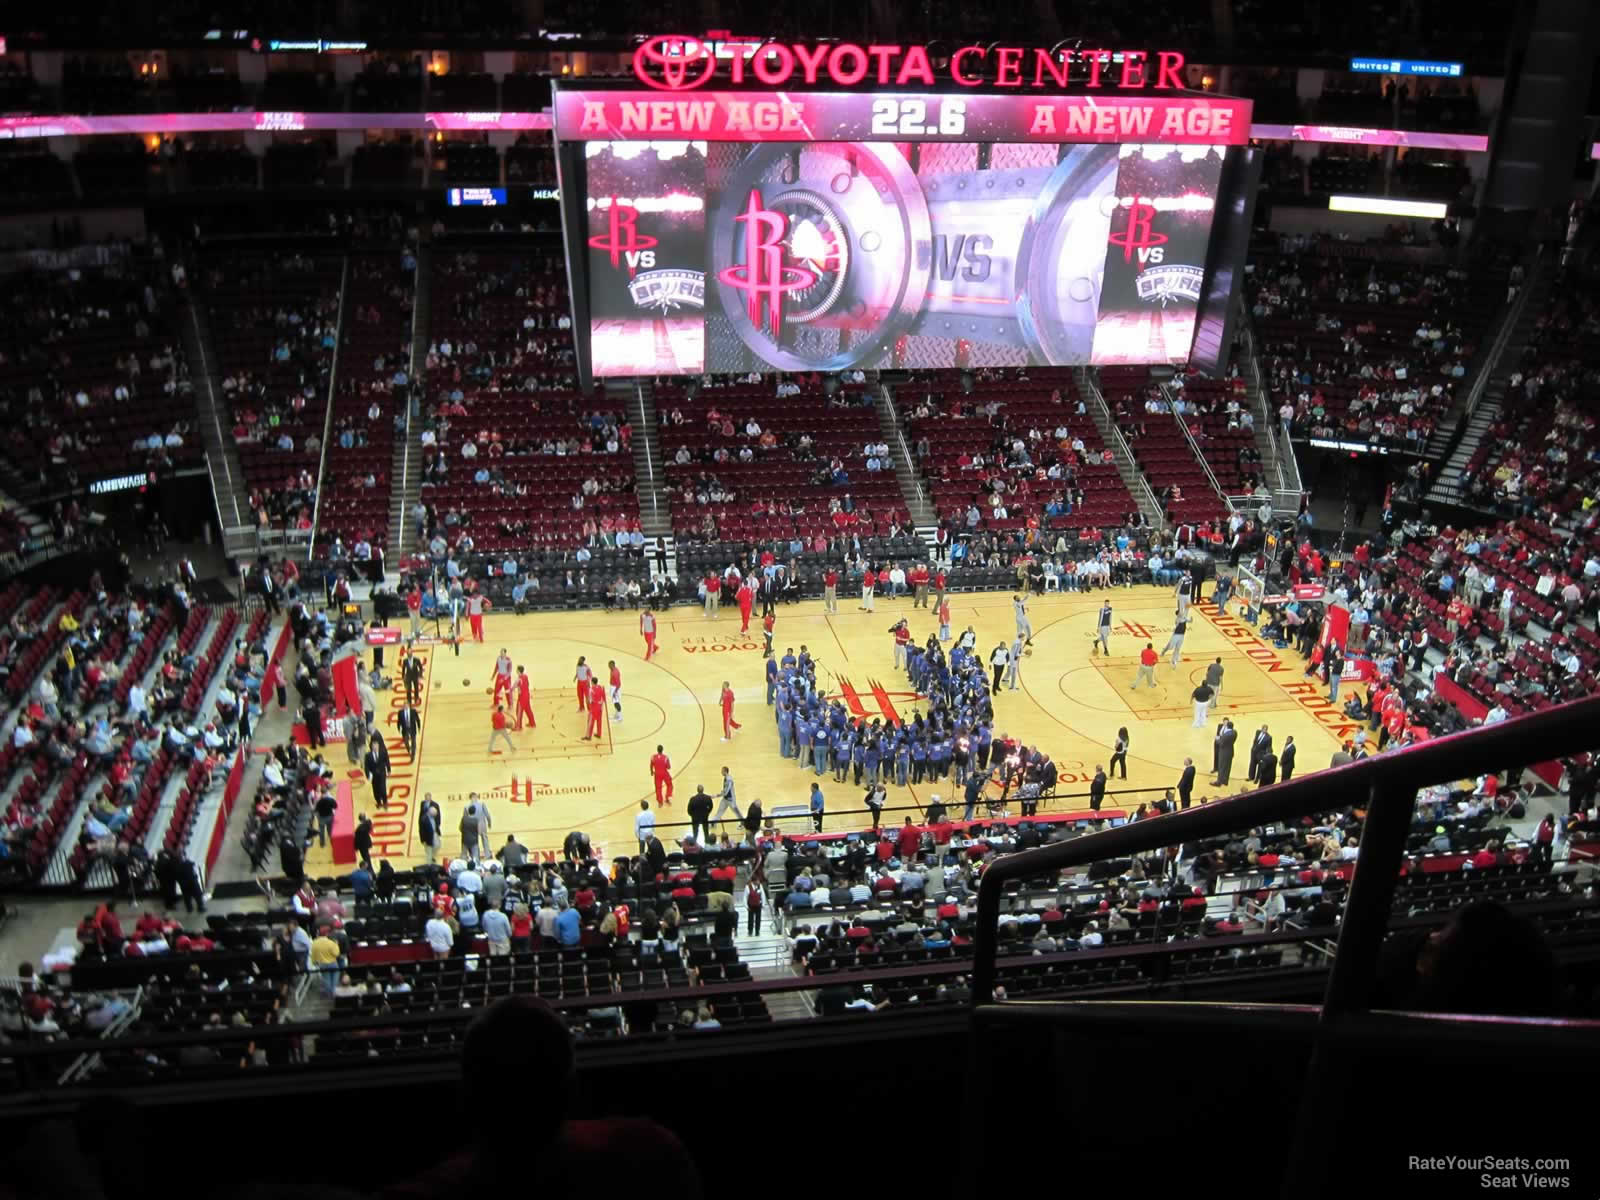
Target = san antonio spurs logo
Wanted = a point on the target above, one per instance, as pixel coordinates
(1159, 285)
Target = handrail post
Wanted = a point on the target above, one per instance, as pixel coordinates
(327, 417)
(1366, 912)
(984, 965)
(1352, 975)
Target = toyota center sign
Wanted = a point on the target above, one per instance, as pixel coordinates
(681, 64)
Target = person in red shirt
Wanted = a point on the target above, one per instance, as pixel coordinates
(1487, 857)
(830, 591)
(902, 640)
(647, 626)
(414, 609)
(728, 723)
(919, 586)
(767, 622)
(938, 589)
(910, 839)
(443, 905)
(747, 599)
(108, 926)
(944, 620)
(616, 690)
(661, 774)
(869, 582)
(1394, 724)
(713, 586)
(1147, 666)
(597, 714)
(524, 708)
(500, 726)
(521, 928)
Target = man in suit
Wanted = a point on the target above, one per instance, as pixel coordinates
(1286, 760)
(376, 767)
(1267, 769)
(1223, 746)
(409, 722)
(769, 595)
(700, 815)
(1186, 783)
(411, 673)
(1259, 745)
(1097, 789)
(1342, 756)
(428, 828)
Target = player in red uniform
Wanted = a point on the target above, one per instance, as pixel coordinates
(524, 708)
(502, 675)
(597, 713)
(747, 599)
(661, 773)
(647, 626)
(767, 623)
(582, 677)
(616, 691)
(728, 723)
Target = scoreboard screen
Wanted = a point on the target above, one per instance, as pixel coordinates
(732, 232)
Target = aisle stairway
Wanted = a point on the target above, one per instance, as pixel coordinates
(1138, 487)
(1464, 438)
(222, 457)
(1278, 462)
(655, 508)
(406, 473)
(923, 513)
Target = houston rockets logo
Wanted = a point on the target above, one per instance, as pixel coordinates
(525, 791)
(674, 64)
(762, 276)
(881, 700)
(1137, 236)
(623, 241)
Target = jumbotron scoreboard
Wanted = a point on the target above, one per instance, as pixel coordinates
(746, 207)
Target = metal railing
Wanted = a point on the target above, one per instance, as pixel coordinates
(648, 429)
(416, 389)
(1534, 276)
(1143, 495)
(1386, 785)
(327, 417)
(912, 471)
(216, 423)
(1286, 465)
(1194, 446)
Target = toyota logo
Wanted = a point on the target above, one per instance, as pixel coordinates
(674, 64)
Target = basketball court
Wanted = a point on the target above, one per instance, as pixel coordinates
(1070, 701)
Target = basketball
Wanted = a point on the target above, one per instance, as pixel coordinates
(466, 683)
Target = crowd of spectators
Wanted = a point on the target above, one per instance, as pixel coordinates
(93, 382)
(502, 417)
(1542, 453)
(757, 457)
(373, 397)
(1363, 349)
(108, 713)
(1013, 451)
(275, 327)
